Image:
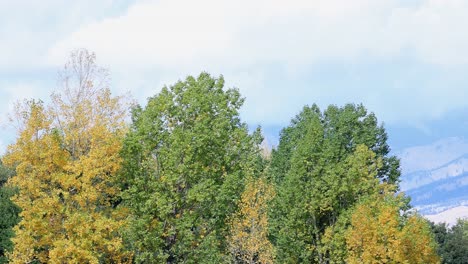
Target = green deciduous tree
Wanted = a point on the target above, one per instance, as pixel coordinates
(323, 164)
(341, 130)
(186, 157)
(452, 241)
(9, 213)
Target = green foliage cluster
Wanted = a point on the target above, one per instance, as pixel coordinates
(452, 241)
(325, 162)
(195, 186)
(8, 212)
(186, 158)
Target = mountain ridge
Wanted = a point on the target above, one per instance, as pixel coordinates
(442, 186)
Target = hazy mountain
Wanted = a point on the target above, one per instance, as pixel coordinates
(435, 176)
(450, 215)
(428, 157)
(451, 169)
(440, 195)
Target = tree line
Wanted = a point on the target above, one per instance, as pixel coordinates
(182, 180)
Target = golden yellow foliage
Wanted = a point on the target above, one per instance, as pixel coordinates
(66, 158)
(418, 242)
(379, 234)
(248, 241)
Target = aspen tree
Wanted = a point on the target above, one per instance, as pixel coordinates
(66, 158)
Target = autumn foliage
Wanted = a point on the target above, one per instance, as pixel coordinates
(248, 240)
(66, 158)
(186, 182)
(380, 234)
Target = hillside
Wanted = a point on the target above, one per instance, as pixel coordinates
(435, 176)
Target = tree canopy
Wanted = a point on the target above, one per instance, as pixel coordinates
(324, 164)
(186, 159)
(380, 234)
(9, 212)
(183, 180)
(66, 158)
(452, 241)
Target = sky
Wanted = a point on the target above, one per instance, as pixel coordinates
(405, 60)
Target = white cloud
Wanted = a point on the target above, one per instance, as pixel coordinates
(184, 33)
(157, 42)
(29, 28)
(12, 92)
(2, 148)
(169, 39)
(438, 31)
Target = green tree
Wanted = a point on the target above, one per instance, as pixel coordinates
(9, 213)
(323, 164)
(452, 241)
(186, 157)
(342, 129)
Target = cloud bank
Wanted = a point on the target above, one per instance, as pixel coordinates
(405, 60)
(185, 34)
(255, 43)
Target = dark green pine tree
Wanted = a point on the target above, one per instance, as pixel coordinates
(186, 157)
(324, 162)
(9, 213)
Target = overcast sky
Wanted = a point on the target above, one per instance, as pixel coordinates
(406, 60)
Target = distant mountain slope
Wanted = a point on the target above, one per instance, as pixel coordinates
(435, 176)
(421, 158)
(440, 195)
(453, 168)
(449, 216)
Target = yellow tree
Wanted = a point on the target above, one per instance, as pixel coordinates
(66, 158)
(418, 242)
(379, 234)
(248, 240)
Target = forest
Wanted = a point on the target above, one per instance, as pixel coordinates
(96, 178)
